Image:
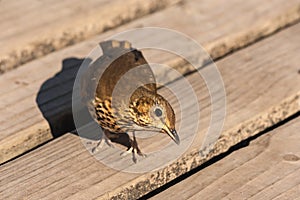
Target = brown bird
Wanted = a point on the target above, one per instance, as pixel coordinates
(120, 91)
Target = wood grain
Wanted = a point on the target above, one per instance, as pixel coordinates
(261, 91)
(46, 93)
(269, 168)
(74, 21)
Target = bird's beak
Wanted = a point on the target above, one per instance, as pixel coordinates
(172, 133)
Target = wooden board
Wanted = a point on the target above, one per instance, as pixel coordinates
(73, 21)
(269, 168)
(267, 93)
(23, 113)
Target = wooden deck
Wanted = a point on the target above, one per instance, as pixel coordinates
(268, 168)
(255, 49)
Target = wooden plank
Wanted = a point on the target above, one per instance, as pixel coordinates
(268, 168)
(267, 93)
(20, 92)
(73, 22)
(79, 21)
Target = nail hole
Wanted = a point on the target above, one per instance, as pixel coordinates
(291, 157)
(21, 83)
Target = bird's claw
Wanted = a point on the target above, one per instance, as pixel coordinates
(134, 150)
(101, 142)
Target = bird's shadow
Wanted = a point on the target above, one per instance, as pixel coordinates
(54, 100)
(54, 97)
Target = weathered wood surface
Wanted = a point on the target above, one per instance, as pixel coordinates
(19, 92)
(261, 91)
(33, 28)
(269, 168)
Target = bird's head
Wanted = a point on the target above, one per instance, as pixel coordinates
(154, 113)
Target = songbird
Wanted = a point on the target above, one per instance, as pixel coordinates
(120, 91)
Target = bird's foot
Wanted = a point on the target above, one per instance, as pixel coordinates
(101, 142)
(134, 150)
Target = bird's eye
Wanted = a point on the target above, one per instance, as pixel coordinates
(158, 112)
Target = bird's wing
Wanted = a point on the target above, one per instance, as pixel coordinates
(118, 72)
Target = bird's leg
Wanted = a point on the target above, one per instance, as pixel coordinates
(134, 149)
(106, 138)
